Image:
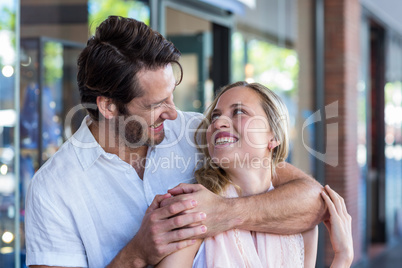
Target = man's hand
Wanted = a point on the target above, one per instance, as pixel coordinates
(163, 230)
(214, 206)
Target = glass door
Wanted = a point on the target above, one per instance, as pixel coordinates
(198, 30)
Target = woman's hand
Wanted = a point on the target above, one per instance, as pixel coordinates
(339, 226)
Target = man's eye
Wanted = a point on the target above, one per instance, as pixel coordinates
(157, 105)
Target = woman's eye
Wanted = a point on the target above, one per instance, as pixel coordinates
(214, 117)
(238, 111)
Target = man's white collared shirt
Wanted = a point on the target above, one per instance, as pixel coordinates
(84, 205)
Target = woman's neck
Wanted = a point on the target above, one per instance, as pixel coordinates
(251, 181)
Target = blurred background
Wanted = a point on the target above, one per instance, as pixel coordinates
(337, 64)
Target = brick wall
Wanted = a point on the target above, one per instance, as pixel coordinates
(342, 50)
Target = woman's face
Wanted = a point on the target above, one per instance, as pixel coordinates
(239, 133)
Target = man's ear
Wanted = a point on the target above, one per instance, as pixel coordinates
(272, 144)
(106, 107)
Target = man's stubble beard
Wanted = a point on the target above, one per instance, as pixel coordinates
(135, 134)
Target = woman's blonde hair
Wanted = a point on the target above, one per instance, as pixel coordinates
(213, 177)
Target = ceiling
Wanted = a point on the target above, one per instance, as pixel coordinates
(388, 12)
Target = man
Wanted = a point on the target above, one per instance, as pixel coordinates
(101, 199)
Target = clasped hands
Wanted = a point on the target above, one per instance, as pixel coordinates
(175, 219)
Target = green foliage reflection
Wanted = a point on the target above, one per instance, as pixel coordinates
(99, 10)
(263, 62)
(274, 66)
(7, 31)
(53, 62)
(7, 18)
(238, 57)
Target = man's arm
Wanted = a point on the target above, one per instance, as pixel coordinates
(293, 207)
(289, 209)
(159, 234)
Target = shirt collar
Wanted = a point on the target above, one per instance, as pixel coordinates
(85, 145)
(88, 149)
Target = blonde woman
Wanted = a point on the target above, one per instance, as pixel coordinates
(244, 137)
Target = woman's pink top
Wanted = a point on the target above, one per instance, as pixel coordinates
(240, 248)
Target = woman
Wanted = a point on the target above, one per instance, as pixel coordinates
(244, 137)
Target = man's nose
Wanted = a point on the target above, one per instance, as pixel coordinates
(170, 112)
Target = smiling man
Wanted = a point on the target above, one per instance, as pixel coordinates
(102, 199)
(139, 124)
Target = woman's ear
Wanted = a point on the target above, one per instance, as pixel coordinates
(272, 144)
(106, 107)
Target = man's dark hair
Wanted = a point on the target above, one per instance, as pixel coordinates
(109, 64)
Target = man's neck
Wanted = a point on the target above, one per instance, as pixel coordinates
(112, 144)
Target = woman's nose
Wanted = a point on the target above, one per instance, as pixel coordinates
(222, 122)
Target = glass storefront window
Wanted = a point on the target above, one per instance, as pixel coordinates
(192, 36)
(9, 212)
(275, 67)
(393, 156)
(393, 137)
(48, 80)
(239, 59)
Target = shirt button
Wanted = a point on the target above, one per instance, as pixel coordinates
(129, 171)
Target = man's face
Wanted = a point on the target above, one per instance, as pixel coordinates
(144, 123)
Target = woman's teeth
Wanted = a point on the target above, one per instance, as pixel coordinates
(224, 140)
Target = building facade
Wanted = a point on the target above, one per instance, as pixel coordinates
(337, 64)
